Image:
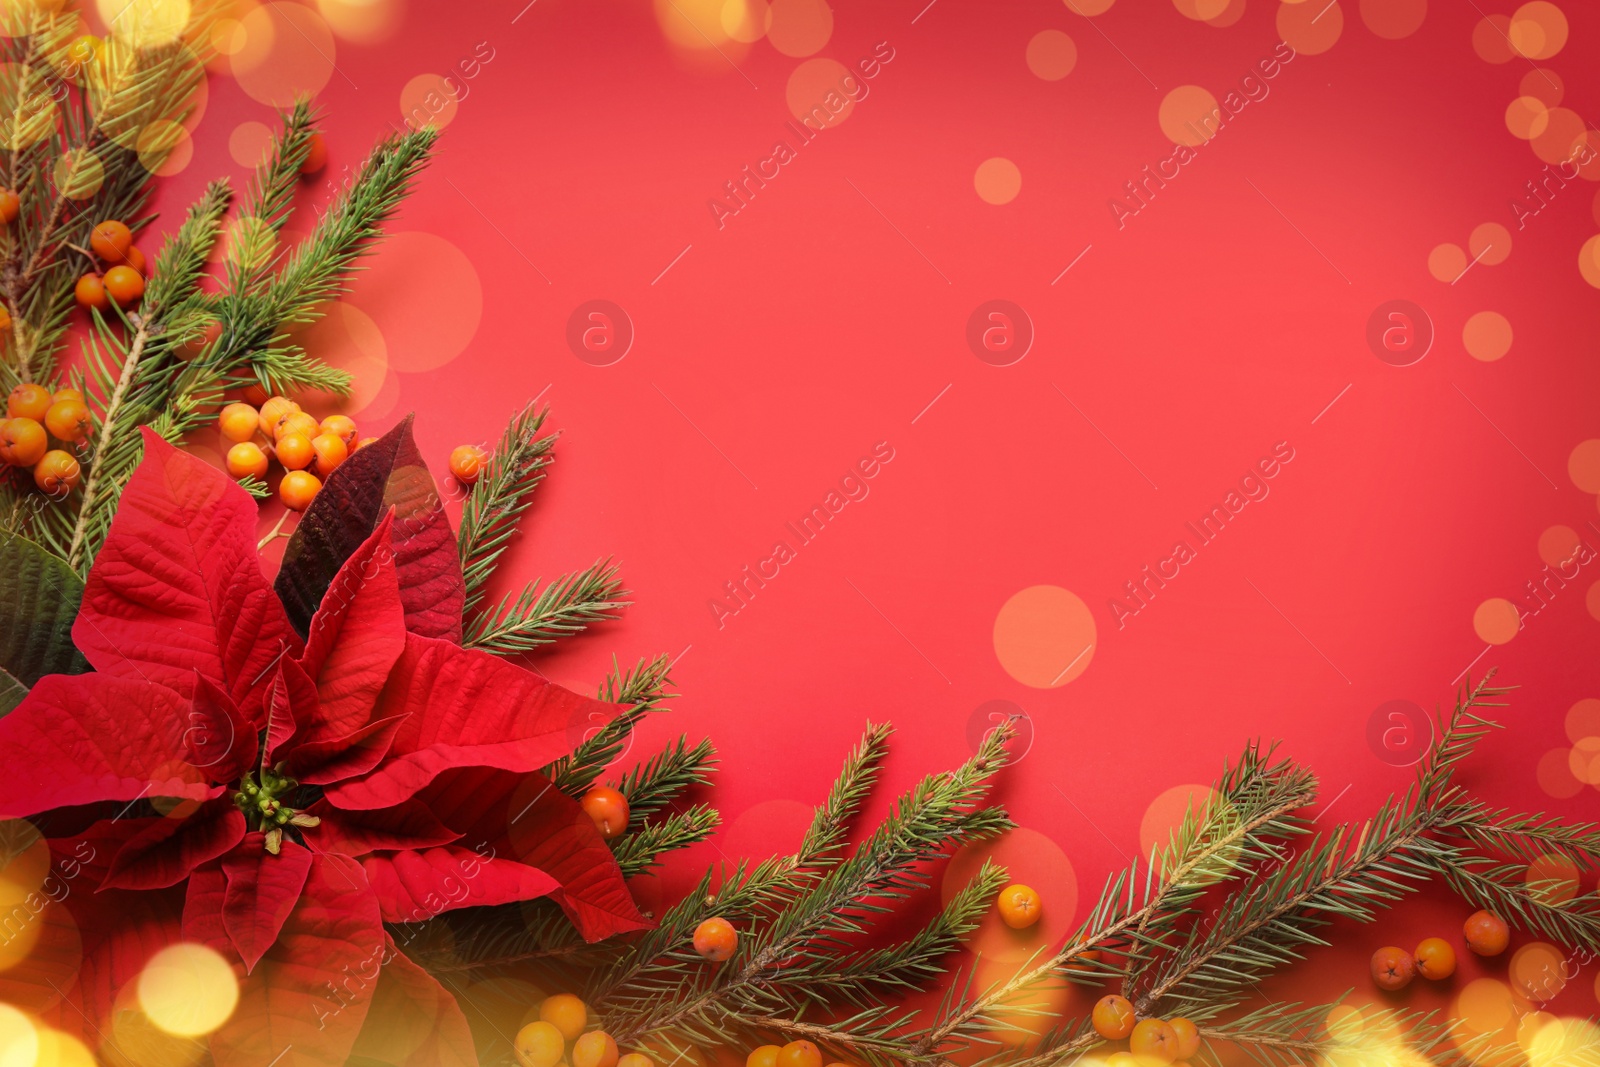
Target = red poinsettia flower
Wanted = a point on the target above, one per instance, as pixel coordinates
(315, 789)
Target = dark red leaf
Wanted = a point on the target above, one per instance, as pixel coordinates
(467, 709)
(389, 473)
(217, 739)
(413, 886)
(77, 739)
(526, 818)
(177, 587)
(162, 852)
(358, 632)
(356, 833)
(334, 760)
(262, 890)
(414, 1021)
(308, 996)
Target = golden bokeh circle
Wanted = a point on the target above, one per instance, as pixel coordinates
(1201, 10)
(1188, 116)
(250, 143)
(997, 180)
(799, 28)
(346, 338)
(1491, 39)
(1230, 15)
(362, 21)
(1538, 30)
(1487, 336)
(1591, 601)
(1536, 971)
(1557, 547)
(1051, 55)
(1490, 244)
(78, 173)
(57, 1049)
(164, 148)
(816, 90)
(1583, 465)
(1527, 117)
(145, 23)
(1583, 760)
(1589, 261)
(1583, 719)
(408, 280)
(1446, 262)
(1484, 1006)
(1554, 774)
(1394, 19)
(1496, 621)
(19, 1041)
(1033, 859)
(1044, 636)
(288, 51)
(1562, 137)
(1089, 7)
(746, 21)
(1310, 29)
(1552, 878)
(188, 989)
(1166, 813)
(1544, 85)
(428, 100)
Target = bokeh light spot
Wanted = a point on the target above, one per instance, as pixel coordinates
(250, 143)
(1484, 1006)
(1538, 30)
(1496, 621)
(1583, 719)
(1554, 775)
(1189, 116)
(1044, 636)
(362, 21)
(1589, 261)
(288, 51)
(1310, 29)
(746, 21)
(799, 28)
(1446, 262)
(1543, 85)
(1487, 336)
(188, 989)
(406, 283)
(1201, 10)
(1527, 117)
(1034, 860)
(1558, 545)
(819, 89)
(1089, 7)
(997, 180)
(1583, 466)
(1052, 55)
(1536, 971)
(19, 1041)
(1491, 39)
(1166, 814)
(1584, 760)
(1489, 244)
(428, 100)
(1394, 19)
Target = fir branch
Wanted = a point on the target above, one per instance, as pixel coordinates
(1542, 908)
(503, 492)
(641, 690)
(641, 849)
(658, 781)
(536, 617)
(255, 232)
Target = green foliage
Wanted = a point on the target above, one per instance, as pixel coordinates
(504, 491)
(39, 596)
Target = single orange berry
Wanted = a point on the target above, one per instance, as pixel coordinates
(800, 1053)
(295, 452)
(316, 154)
(466, 463)
(330, 450)
(716, 939)
(56, 473)
(1019, 906)
(296, 422)
(1393, 968)
(1153, 1040)
(343, 427)
(125, 285)
(5, 319)
(254, 395)
(1188, 1035)
(90, 292)
(68, 420)
(1113, 1017)
(29, 400)
(566, 1013)
(1487, 934)
(539, 1045)
(10, 205)
(67, 394)
(1436, 959)
(246, 459)
(239, 422)
(297, 490)
(135, 259)
(111, 240)
(763, 1056)
(594, 1049)
(23, 442)
(636, 1059)
(273, 409)
(609, 810)
(363, 443)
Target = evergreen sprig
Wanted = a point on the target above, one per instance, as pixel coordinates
(539, 616)
(503, 492)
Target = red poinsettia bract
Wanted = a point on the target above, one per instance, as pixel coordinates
(315, 789)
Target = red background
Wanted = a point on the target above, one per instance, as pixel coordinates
(823, 319)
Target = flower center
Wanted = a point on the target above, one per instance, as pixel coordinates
(260, 798)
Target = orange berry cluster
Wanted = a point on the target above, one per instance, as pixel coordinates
(1484, 932)
(794, 1054)
(564, 1018)
(123, 265)
(34, 414)
(1152, 1042)
(280, 430)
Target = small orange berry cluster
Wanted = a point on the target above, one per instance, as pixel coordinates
(1484, 932)
(280, 430)
(564, 1018)
(123, 265)
(1152, 1042)
(34, 414)
(794, 1054)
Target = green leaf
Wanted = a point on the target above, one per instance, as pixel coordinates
(39, 597)
(11, 692)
